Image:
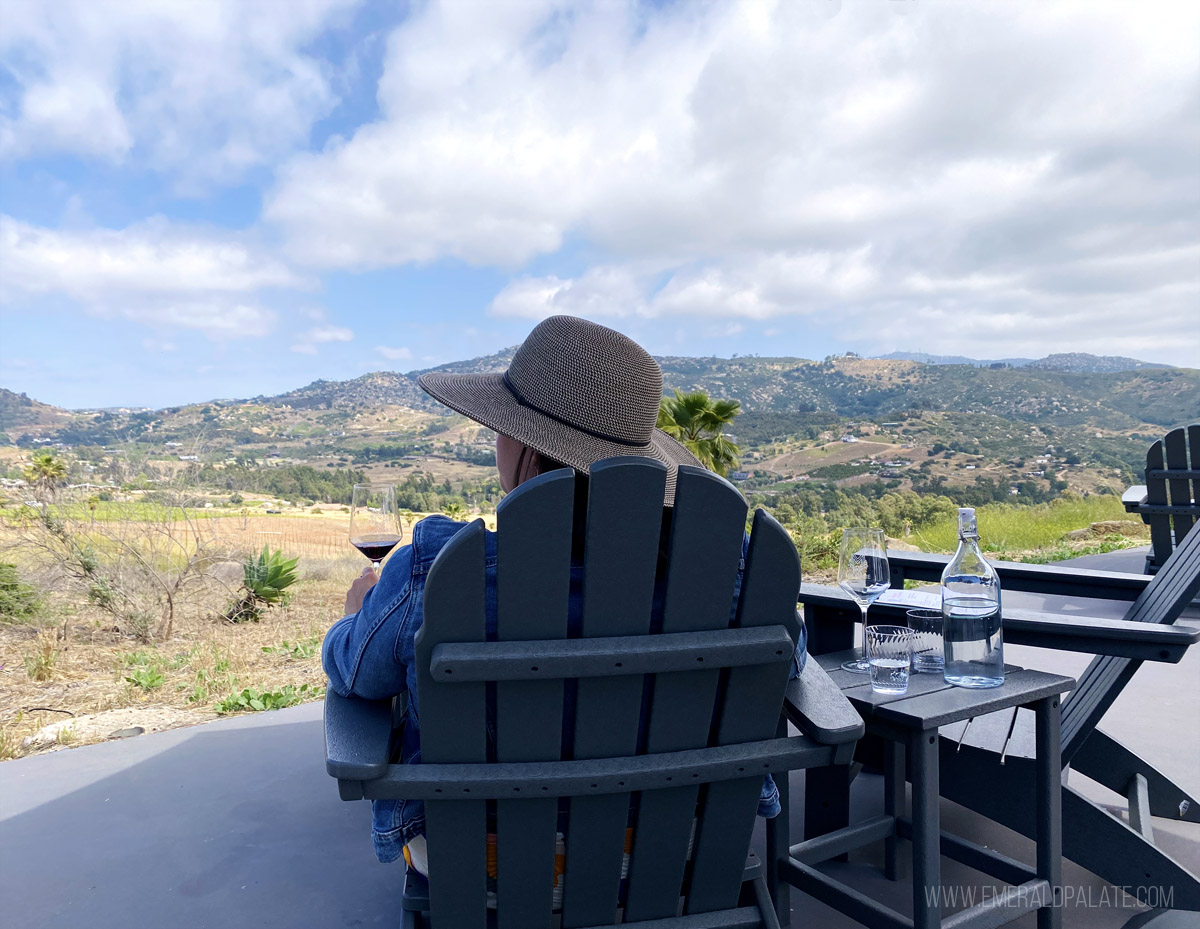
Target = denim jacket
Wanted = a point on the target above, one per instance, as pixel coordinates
(371, 654)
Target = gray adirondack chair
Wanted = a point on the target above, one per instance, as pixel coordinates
(1092, 837)
(679, 726)
(1169, 501)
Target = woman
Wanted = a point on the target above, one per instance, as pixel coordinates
(575, 393)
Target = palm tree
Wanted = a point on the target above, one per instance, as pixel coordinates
(454, 510)
(45, 471)
(698, 423)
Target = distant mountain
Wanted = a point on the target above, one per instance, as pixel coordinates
(927, 359)
(20, 410)
(486, 364)
(386, 387)
(1083, 363)
(1067, 390)
(379, 387)
(1077, 362)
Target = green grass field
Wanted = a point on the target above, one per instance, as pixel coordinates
(1009, 528)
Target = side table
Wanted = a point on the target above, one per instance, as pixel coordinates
(909, 723)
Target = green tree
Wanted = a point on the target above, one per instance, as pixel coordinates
(454, 510)
(46, 471)
(699, 423)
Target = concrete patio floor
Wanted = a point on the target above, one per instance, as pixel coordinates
(235, 823)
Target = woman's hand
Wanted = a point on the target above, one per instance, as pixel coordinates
(358, 590)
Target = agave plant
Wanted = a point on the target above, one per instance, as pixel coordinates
(265, 580)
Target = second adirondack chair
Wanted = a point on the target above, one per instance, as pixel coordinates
(1169, 501)
(672, 716)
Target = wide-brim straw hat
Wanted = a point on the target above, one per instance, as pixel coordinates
(576, 392)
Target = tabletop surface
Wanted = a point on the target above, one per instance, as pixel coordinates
(930, 702)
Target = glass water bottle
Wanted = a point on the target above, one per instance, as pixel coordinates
(971, 613)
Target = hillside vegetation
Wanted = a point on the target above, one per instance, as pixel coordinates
(115, 597)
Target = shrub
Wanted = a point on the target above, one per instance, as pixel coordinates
(39, 664)
(265, 578)
(148, 678)
(301, 649)
(18, 601)
(251, 700)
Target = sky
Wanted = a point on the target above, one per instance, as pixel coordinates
(225, 199)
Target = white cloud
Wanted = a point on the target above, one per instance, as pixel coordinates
(394, 354)
(307, 342)
(217, 320)
(152, 257)
(758, 160)
(159, 345)
(152, 272)
(604, 291)
(205, 91)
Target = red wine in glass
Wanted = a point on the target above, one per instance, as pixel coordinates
(375, 549)
(374, 521)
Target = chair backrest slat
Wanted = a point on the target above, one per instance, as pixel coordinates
(1162, 601)
(702, 561)
(1193, 432)
(624, 519)
(1161, 540)
(749, 710)
(533, 580)
(454, 730)
(1175, 448)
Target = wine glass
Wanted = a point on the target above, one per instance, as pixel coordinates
(374, 521)
(863, 573)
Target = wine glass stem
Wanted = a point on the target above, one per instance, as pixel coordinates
(375, 567)
(862, 652)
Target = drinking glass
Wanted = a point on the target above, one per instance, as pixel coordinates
(863, 573)
(374, 521)
(929, 649)
(889, 650)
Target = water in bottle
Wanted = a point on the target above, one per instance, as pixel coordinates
(971, 624)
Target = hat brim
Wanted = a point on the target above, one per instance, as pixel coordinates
(486, 399)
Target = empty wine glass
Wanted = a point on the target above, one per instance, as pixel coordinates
(374, 521)
(864, 574)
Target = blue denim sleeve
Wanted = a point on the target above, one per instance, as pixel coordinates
(359, 650)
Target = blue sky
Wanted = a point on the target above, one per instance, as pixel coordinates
(233, 198)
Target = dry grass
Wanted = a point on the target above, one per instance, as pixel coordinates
(833, 453)
(72, 661)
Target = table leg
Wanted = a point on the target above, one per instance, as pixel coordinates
(778, 839)
(827, 790)
(893, 803)
(1049, 811)
(826, 801)
(926, 828)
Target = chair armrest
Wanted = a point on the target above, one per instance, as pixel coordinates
(1034, 578)
(1134, 497)
(1093, 635)
(1075, 633)
(358, 737)
(815, 705)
